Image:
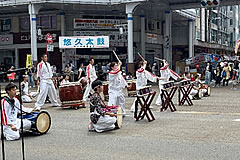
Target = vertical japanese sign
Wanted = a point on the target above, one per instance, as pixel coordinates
(28, 61)
(84, 42)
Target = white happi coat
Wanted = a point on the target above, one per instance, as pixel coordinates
(9, 116)
(47, 87)
(115, 87)
(25, 93)
(91, 74)
(142, 77)
(165, 73)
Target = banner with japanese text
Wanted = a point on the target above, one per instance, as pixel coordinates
(84, 42)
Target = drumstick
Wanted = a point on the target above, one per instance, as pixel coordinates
(159, 59)
(141, 56)
(116, 56)
(38, 89)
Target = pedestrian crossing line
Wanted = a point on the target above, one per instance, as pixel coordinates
(207, 113)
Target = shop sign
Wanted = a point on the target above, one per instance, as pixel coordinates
(84, 42)
(151, 38)
(22, 38)
(79, 23)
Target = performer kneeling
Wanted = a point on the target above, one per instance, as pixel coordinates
(10, 109)
(26, 95)
(100, 119)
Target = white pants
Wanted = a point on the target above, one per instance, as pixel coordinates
(204, 91)
(27, 99)
(87, 91)
(133, 105)
(14, 135)
(159, 99)
(46, 89)
(105, 123)
(117, 99)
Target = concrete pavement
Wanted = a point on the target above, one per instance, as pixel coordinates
(207, 130)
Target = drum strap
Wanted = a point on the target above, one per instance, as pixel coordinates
(11, 102)
(102, 100)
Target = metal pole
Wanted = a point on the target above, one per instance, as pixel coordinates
(20, 99)
(2, 136)
(130, 38)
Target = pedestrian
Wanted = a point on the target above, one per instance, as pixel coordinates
(226, 74)
(11, 76)
(208, 74)
(218, 77)
(47, 87)
(30, 76)
(91, 76)
(234, 79)
(81, 71)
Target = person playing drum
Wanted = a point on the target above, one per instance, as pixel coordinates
(47, 88)
(142, 77)
(100, 119)
(91, 76)
(26, 95)
(10, 109)
(116, 85)
(199, 84)
(165, 74)
(194, 90)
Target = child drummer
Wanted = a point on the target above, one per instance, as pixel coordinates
(100, 119)
(10, 109)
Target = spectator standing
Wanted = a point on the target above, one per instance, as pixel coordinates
(226, 74)
(30, 77)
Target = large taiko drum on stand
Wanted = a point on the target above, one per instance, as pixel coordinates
(71, 95)
(132, 88)
(118, 111)
(105, 91)
(70, 92)
(41, 121)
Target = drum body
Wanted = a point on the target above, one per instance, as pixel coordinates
(70, 92)
(118, 111)
(41, 121)
(132, 85)
(105, 88)
(209, 90)
(168, 85)
(145, 90)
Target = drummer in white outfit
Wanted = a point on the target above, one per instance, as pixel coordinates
(116, 85)
(142, 77)
(91, 76)
(26, 95)
(165, 73)
(10, 109)
(44, 74)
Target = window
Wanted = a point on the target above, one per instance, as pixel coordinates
(158, 25)
(231, 22)
(46, 22)
(5, 25)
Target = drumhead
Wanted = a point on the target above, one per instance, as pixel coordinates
(200, 93)
(43, 122)
(119, 117)
(209, 91)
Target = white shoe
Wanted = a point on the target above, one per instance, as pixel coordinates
(91, 127)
